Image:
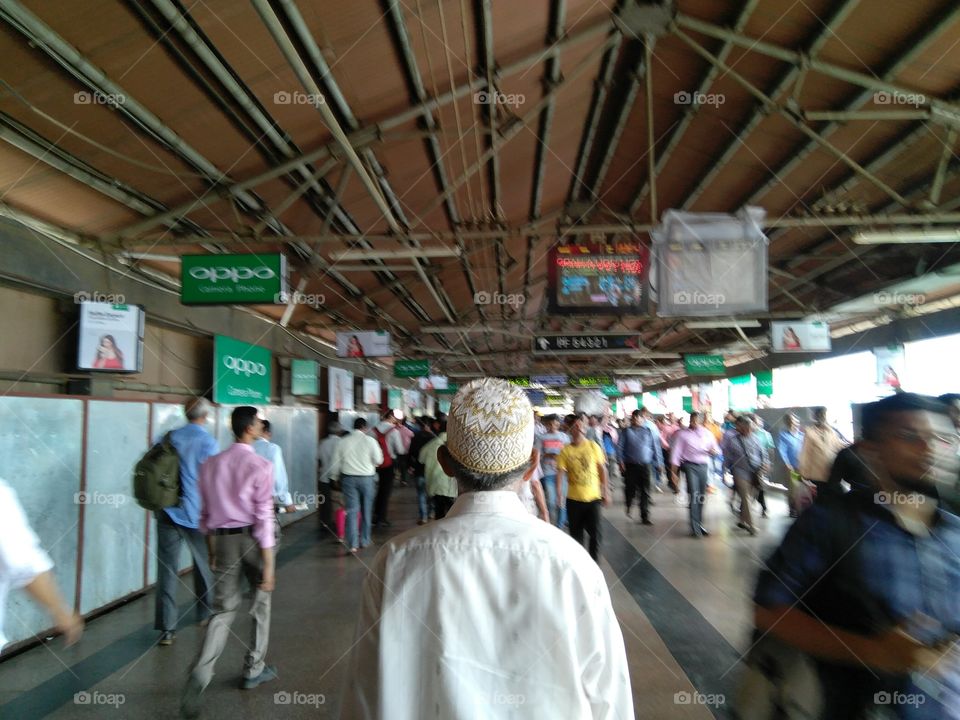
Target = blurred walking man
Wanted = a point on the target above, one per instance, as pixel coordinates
(179, 524)
(236, 489)
(866, 583)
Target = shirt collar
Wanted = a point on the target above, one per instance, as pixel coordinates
(242, 446)
(492, 502)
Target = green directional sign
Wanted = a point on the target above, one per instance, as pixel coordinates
(241, 372)
(704, 364)
(764, 382)
(556, 400)
(591, 381)
(450, 389)
(519, 381)
(687, 403)
(233, 279)
(303, 378)
(411, 368)
(610, 390)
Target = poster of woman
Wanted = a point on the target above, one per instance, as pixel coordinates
(341, 389)
(111, 338)
(364, 344)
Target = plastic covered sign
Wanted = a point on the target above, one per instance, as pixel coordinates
(711, 264)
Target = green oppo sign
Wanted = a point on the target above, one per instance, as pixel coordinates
(704, 364)
(233, 279)
(303, 377)
(411, 368)
(241, 372)
(764, 382)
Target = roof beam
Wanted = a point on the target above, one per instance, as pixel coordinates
(517, 127)
(912, 51)
(71, 60)
(813, 220)
(600, 89)
(870, 82)
(366, 135)
(792, 75)
(792, 119)
(702, 88)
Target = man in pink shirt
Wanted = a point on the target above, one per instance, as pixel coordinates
(692, 449)
(236, 490)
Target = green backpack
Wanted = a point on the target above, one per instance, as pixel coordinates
(156, 478)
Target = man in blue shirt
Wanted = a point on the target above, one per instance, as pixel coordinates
(638, 450)
(648, 420)
(876, 603)
(179, 524)
(789, 442)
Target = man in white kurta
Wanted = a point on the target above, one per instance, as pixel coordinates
(24, 564)
(489, 613)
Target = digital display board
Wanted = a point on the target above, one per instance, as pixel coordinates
(598, 278)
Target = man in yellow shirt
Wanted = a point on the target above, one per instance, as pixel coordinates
(584, 465)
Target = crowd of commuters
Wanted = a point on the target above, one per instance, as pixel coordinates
(858, 602)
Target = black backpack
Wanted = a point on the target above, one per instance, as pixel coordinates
(156, 478)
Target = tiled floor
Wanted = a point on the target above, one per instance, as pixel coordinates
(683, 605)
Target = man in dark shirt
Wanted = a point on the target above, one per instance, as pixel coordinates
(880, 611)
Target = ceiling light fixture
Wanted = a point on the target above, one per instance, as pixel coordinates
(875, 237)
(719, 324)
(395, 254)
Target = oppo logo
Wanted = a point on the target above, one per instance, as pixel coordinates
(235, 274)
(239, 366)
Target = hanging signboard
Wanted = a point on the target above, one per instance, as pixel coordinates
(303, 377)
(371, 391)
(411, 368)
(241, 372)
(411, 398)
(548, 380)
(591, 381)
(764, 380)
(341, 389)
(559, 344)
(395, 399)
(628, 387)
(433, 382)
(259, 278)
(537, 398)
(711, 264)
(787, 337)
(891, 364)
(363, 344)
(704, 364)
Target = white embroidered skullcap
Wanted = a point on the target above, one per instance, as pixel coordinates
(490, 427)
